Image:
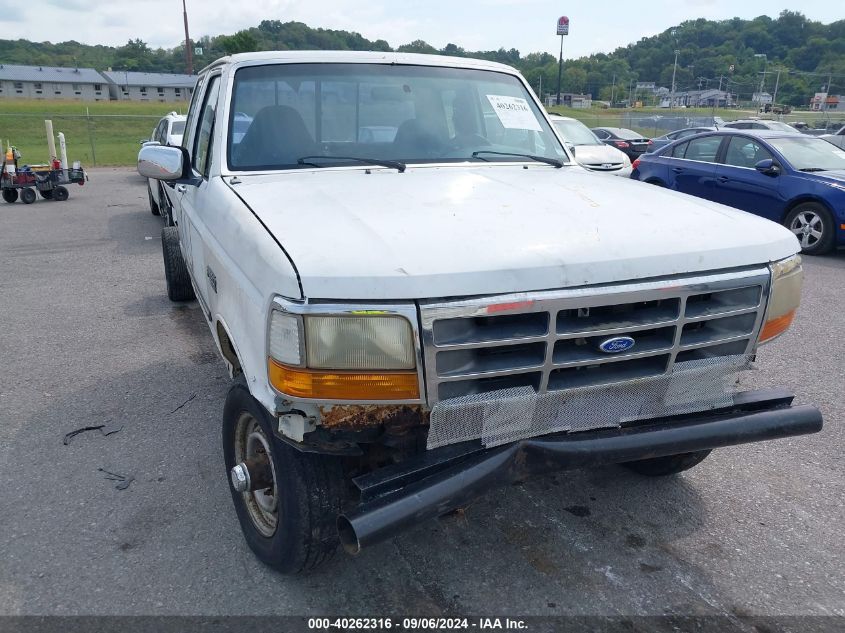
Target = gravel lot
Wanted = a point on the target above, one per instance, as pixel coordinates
(87, 336)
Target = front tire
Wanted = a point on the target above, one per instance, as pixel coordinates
(176, 275)
(667, 465)
(290, 525)
(10, 195)
(813, 225)
(60, 194)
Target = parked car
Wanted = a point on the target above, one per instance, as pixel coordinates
(590, 152)
(663, 141)
(792, 179)
(628, 141)
(760, 124)
(411, 323)
(169, 131)
(837, 138)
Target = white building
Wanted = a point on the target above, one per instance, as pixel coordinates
(49, 82)
(135, 86)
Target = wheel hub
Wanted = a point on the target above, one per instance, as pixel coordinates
(254, 475)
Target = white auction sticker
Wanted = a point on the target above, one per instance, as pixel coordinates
(514, 113)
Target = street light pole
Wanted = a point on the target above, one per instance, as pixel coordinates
(559, 69)
(189, 60)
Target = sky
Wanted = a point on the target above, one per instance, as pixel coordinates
(527, 25)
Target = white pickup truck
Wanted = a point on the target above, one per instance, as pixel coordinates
(421, 295)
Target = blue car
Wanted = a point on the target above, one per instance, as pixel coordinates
(796, 180)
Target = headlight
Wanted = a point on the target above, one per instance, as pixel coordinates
(787, 278)
(359, 342)
(342, 357)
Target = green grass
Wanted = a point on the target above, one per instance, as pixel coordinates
(112, 128)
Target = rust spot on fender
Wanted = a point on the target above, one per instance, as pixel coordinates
(359, 416)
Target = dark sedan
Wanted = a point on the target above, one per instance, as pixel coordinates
(677, 135)
(796, 180)
(628, 141)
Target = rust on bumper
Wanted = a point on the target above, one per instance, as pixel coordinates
(361, 416)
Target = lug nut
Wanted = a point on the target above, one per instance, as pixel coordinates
(240, 478)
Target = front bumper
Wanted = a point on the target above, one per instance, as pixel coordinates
(440, 480)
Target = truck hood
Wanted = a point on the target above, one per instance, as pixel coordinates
(471, 230)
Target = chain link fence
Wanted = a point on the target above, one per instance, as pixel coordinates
(95, 139)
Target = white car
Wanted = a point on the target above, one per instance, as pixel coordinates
(411, 322)
(590, 152)
(169, 131)
(837, 138)
(759, 124)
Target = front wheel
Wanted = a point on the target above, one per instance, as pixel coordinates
(813, 225)
(60, 194)
(288, 505)
(10, 195)
(667, 465)
(176, 275)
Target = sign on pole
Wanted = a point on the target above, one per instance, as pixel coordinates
(563, 25)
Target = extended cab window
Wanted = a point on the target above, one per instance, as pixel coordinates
(282, 114)
(205, 127)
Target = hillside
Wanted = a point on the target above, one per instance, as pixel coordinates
(808, 53)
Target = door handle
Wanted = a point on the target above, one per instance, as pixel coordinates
(722, 179)
(677, 170)
(181, 188)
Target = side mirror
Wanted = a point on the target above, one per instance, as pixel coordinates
(570, 147)
(768, 167)
(163, 162)
(146, 141)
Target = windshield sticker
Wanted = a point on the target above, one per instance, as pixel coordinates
(514, 113)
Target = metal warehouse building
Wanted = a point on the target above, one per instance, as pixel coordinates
(135, 86)
(46, 82)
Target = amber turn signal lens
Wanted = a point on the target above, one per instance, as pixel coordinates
(306, 383)
(774, 327)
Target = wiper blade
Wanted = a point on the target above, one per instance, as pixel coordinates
(812, 169)
(540, 159)
(393, 164)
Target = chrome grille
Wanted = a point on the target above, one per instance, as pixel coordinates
(548, 341)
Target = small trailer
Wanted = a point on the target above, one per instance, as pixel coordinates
(49, 180)
(50, 183)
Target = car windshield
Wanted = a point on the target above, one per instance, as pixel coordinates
(412, 114)
(809, 153)
(178, 127)
(575, 132)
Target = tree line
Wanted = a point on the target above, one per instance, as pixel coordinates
(802, 55)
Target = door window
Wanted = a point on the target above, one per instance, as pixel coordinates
(745, 152)
(703, 149)
(205, 127)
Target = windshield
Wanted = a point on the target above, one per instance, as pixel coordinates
(412, 114)
(575, 132)
(809, 153)
(177, 127)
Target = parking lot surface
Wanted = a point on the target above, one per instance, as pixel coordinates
(88, 337)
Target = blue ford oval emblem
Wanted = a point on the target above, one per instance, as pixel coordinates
(616, 344)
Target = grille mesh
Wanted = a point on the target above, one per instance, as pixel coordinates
(507, 415)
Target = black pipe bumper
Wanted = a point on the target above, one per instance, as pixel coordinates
(438, 481)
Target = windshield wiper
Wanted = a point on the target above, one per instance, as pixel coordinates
(393, 164)
(812, 169)
(540, 159)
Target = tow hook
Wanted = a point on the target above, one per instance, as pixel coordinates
(252, 474)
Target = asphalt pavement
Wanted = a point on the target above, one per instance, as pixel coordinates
(88, 337)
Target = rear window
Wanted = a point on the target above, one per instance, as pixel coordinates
(628, 135)
(178, 127)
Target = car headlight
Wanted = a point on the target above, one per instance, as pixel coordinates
(342, 357)
(787, 278)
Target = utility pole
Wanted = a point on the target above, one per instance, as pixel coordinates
(775, 96)
(189, 58)
(613, 90)
(827, 92)
(559, 69)
(674, 71)
(763, 77)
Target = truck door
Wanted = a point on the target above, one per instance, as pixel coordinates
(191, 197)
